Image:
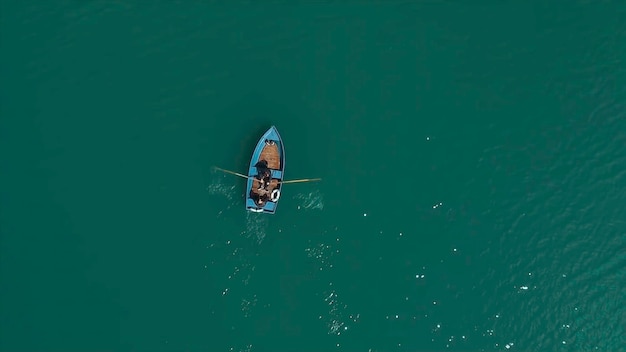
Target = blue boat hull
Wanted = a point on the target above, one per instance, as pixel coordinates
(270, 151)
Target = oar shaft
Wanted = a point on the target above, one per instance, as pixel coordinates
(232, 172)
(302, 180)
(284, 182)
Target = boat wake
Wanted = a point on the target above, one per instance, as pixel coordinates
(256, 223)
(311, 200)
(256, 226)
(219, 188)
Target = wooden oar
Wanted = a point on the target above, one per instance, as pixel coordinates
(302, 180)
(290, 181)
(232, 172)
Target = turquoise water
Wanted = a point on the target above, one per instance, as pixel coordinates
(472, 157)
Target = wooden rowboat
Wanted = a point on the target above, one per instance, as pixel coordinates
(269, 154)
(266, 174)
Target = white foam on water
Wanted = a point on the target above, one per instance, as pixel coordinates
(256, 226)
(237, 249)
(218, 188)
(337, 318)
(247, 304)
(311, 200)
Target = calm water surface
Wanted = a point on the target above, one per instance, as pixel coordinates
(473, 162)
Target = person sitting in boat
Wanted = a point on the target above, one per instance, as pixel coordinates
(265, 181)
(261, 169)
(263, 191)
(264, 174)
(262, 200)
(259, 198)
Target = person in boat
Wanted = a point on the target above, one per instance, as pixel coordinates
(261, 168)
(263, 191)
(263, 174)
(265, 182)
(262, 200)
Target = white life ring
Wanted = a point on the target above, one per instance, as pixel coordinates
(275, 195)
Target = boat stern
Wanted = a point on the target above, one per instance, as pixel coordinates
(269, 207)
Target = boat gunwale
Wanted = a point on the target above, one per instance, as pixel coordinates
(256, 154)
